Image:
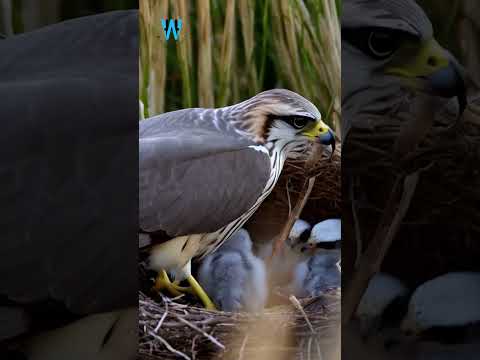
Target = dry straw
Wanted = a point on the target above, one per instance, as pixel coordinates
(306, 329)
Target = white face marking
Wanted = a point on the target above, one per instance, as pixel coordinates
(281, 130)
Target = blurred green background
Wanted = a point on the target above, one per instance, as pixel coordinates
(231, 50)
(444, 16)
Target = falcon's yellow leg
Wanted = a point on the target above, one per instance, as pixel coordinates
(177, 254)
(200, 293)
(163, 282)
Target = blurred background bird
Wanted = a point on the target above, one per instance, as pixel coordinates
(235, 279)
(388, 53)
(384, 292)
(449, 301)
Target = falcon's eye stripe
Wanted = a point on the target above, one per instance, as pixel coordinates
(296, 121)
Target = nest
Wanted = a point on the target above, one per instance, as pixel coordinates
(297, 329)
(438, 232)
(173, 330)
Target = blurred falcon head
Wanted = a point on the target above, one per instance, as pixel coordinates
(388, 51)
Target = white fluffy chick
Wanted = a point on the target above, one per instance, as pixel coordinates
(316, 275)
(383, 291)
(234, 278)
(450, 300)
(321, 271)
(281, 266)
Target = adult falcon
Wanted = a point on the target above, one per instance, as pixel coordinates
(204, 172)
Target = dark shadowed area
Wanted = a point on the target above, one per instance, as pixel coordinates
(410, 180)
(69, 203)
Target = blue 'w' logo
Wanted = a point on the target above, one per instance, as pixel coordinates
(174, 26)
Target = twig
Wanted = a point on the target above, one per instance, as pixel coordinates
(159, 325)
(287, 185)
(371, 261)
(356, 222)
(299, 306)
(192, 350)
(242, 347)
(208, 336)
(168, 346)
(294, 216)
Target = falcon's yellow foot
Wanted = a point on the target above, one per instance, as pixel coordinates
(197, 290)
(163, 282)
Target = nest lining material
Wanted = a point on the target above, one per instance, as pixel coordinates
(173, 330)
(305, 329)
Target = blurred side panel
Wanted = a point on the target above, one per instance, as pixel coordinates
(410, 180)
(69, 175)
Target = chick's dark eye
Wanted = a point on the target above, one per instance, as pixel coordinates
(381, 44)
(305, 236)
(299, 122)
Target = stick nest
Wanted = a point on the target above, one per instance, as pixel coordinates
(172, 329)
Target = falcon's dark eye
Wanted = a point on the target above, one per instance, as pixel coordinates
(295, 121)
(381, 44)
(299, 122)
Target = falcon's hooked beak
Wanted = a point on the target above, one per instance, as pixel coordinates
(321, 133)
(430, 64)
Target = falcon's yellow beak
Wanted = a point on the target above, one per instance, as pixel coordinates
(320, 132)
(317, 131)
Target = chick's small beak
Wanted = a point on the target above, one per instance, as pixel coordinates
(308, 247)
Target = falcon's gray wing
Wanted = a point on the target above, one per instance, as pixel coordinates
(195, 178)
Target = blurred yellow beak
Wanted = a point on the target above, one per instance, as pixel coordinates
(418, 59)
